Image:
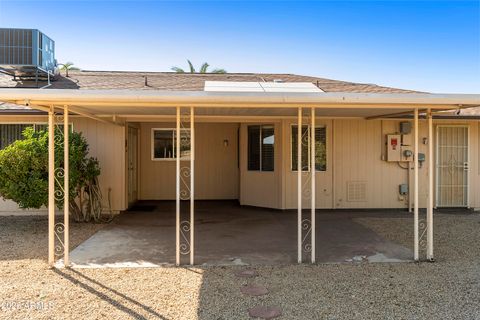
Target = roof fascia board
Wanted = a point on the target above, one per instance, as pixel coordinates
(106, 98)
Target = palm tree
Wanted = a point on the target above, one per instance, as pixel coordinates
(67, 66)
(203, 69)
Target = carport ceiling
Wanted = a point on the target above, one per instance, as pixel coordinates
(246, 112)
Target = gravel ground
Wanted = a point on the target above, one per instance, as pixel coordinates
(447, 289)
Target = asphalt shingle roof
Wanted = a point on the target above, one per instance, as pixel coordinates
(187, 81)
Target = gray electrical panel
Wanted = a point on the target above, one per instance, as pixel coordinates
(405, 127)
(403, 189)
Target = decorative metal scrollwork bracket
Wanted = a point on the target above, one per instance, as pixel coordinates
(422, 231)
(59, 245)
(306, 234)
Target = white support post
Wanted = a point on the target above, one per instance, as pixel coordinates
(51, 187)
(415, 199)
(66, 187)
(192, 186)
(430, 189)
(177, 207)
(299, 185)
(313, 172)
(410, 187)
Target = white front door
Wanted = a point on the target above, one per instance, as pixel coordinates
(452, 166)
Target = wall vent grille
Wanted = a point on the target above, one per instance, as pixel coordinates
(356, 191)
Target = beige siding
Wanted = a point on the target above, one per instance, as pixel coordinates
(323, 179)
(106, 144)
(355, 153)
(359, 150)
(355, 149)
(262, 189)
(216, 165)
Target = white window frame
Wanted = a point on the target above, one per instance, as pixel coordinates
(309, 146)
(152, 143)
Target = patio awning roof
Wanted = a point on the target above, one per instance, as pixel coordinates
(145, 102)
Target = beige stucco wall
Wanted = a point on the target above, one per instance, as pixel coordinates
(106, 144)
(216, 165)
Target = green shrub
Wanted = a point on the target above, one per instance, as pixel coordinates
(24, 174)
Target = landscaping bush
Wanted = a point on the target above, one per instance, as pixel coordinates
(24, 174)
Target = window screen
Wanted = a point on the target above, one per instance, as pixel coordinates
(261, 148)
(320, 148)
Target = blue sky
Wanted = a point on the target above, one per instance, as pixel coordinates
(431, 46)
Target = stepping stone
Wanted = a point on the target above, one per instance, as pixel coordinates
(253, 290)
(247, 273)
(265, 312)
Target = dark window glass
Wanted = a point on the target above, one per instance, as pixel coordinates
(9, 133)
(164, 144)
(253, 147)
(261, 148)
(268, 145)
(305, 141)
(320, 148)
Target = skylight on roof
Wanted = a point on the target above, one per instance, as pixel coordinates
(244, 86)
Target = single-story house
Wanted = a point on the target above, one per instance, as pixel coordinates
(246, 134)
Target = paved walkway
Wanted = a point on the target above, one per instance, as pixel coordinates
(228, 234)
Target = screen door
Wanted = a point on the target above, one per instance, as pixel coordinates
(452, 166)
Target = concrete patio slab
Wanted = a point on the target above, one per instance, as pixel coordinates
(228, 234)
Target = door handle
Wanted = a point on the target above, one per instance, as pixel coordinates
(465, 166)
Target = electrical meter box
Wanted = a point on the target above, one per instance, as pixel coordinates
(407, 140)
(406, 154)
(394, 147)
(403, 189)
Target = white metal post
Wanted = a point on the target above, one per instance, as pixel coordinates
(192, 186)
(430, 189)
(299, 185)
(177, 159)
(51, 187)
(66, 187)
(415, 199)
(313, 173)
(410, 192)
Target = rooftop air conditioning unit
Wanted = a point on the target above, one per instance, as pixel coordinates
(26, 53)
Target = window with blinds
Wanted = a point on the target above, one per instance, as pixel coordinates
(320, 148)
(11, 132)
(261, 148)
